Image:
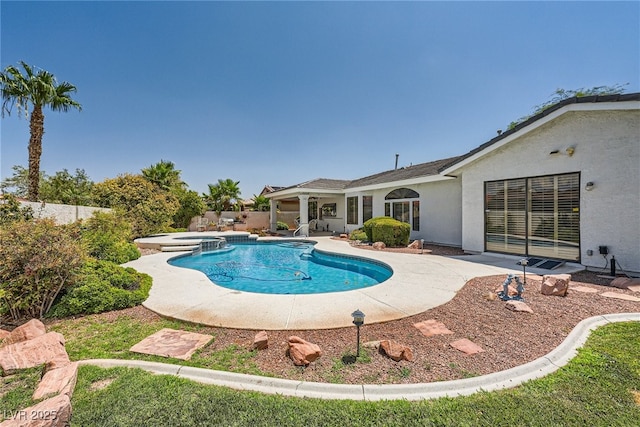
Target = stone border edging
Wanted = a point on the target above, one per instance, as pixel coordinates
(509, 378)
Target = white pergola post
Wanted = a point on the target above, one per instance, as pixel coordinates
(304, 214)
(273, 215)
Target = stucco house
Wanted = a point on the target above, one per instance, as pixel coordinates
(562, 185)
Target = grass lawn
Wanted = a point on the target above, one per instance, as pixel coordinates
(600, 387)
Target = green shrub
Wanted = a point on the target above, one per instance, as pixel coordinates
(390, 231)
(282, 225)
(358, 234)
(38, 261)
(103, 286)
(107, 236)
(11, 210)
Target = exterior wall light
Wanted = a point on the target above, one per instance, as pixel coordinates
(589, 186)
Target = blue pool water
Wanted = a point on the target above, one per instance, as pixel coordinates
(284, 268)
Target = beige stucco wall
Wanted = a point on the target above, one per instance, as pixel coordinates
(440, 210)
(607, 153)
(62, 214)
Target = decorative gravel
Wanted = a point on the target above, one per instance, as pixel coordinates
(508, 338)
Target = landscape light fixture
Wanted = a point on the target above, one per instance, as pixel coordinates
(358, 320)
(589, 186)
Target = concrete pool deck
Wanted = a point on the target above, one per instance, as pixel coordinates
(418, 283)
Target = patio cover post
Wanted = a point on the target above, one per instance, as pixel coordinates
(304, 214)
(273, 215)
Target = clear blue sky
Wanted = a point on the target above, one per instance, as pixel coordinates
(280, 93)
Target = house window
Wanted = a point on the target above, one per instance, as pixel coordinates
(367, 208)
(352, 210)
(328, 210)
(403, 206)
(313, 209)
(537, 216)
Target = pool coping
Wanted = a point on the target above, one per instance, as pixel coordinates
(419, 282)
(509, 378)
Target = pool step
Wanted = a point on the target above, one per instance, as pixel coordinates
(183, 248)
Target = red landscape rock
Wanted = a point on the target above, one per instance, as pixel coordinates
(261, 341)
(466, 346)
(33, 328)
(414, 245)
(57, 381)
(54, 412)
(432, 327)
(518, 306)
(37, 351)
(624, 282)
(396, 351)
(555, 284)
(302, 352)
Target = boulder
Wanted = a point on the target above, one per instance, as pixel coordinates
(414, 245)
(396, 351)
(624, 282)
(302, 352)
(33, 328)
(514, 305)
(379, 245)
(261, 341)
(555, 284)
(57, 381)
(37, 351)
(54, 412)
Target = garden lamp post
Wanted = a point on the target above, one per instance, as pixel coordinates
(524, 262)
(358, 320)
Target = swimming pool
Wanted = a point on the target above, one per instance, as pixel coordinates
(291, 267)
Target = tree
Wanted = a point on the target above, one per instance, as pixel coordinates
(18, 184)
(137, 200)
(191, 205)
(261, 203)
(165, 175)
(562, 94)
(223, 196)
(40, 89)
(66, 188)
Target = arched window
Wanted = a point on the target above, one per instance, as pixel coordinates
(402, 193)
(404, 206)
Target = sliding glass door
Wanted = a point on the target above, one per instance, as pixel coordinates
(537, 216)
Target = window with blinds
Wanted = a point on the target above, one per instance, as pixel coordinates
(537, 216)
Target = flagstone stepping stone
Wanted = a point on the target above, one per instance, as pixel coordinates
(620, 296)
(432, 327)
(584, 289)
(466, 346)
(172, 343)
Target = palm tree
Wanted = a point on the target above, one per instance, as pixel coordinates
(223, 195)
(261, 203)
(40, 89)
(165, 175)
